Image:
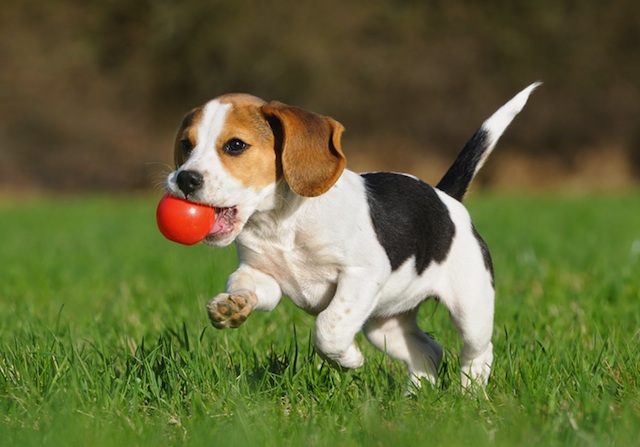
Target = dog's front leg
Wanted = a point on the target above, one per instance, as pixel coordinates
(337, 325)
(247, 289)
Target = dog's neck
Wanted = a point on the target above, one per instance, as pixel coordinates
(267, 223)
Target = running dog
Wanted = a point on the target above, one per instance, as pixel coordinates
(358, 251)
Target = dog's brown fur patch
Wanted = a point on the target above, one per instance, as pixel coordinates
(258, 166)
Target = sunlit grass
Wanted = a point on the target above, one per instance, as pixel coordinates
(104, 339)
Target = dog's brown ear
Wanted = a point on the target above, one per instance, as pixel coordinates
(312, 158)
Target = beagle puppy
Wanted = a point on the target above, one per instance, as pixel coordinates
(358, 251)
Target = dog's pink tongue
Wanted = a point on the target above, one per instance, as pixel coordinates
(222, 221)
(218, 226)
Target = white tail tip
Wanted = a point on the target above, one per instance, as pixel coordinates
(500, 120)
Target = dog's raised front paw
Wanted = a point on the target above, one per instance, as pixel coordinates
(230, 310)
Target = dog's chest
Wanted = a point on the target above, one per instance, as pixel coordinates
(306, 271)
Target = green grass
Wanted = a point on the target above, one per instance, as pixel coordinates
(104, 340)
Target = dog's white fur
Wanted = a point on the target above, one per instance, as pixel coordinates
(322, 250)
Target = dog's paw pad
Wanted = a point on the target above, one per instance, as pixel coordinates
(230, 310)
(223, 309)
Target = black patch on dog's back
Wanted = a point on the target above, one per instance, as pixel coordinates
(409, 219)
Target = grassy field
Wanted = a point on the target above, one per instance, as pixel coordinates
(104, 340)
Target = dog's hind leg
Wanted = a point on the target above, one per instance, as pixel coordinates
(400, 337)
(472, 316)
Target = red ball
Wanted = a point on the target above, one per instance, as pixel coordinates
(184, 222)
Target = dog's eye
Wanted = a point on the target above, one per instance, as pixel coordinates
(187, 146)
(235, 146)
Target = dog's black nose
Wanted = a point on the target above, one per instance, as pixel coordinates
(189, 181)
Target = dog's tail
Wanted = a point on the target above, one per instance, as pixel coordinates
(473, 155)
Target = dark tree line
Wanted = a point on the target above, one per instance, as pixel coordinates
(89, 84)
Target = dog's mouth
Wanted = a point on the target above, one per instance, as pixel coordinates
(225, 224)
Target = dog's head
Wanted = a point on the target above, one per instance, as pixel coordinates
(232, 152)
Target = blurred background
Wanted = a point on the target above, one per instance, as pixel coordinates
(92, 92)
